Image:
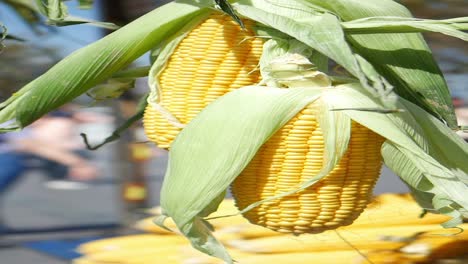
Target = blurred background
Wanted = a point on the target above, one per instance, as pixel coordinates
(73, 194)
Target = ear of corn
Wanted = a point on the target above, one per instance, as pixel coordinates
(337, 257)
(213, 59)
(84, 260)
(360, 238)
(290, 157)
(133, 253)
(130, 241)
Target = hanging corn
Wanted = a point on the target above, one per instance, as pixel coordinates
(292, 156)
(214, 58)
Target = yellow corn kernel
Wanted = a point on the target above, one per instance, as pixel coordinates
(295, 154)
(213, 59)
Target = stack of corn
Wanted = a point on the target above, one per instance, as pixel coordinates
(389, 231)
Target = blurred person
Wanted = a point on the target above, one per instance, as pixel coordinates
(51, 144)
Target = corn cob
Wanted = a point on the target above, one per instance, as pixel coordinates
(213, 59)
(381, 238)
(144, 254)
(335, 257)
(290, 157)
(130, 241)
(192, 256)
(395, 209)
(84, 260)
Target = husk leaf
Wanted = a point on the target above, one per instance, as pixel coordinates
(215, 147)
(425, 153)
(95, 63)
(404, 59)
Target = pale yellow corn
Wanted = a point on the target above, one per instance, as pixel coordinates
(213, 59)
(146, 254)
(295, 154)
(395, 209)
(129, 242)
(335, 257)
(84, 260)
(381, 238)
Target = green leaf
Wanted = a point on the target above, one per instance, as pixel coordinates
(57, 13)
(276, 48)
(3, 35)
(93, 64)
(375, 25)
(403, 59)
(136, 72)
(429, 196)
(226, 7)
(336, 128)
(212, 150)
(74, 20)
(284, 8)
(112, 89)
(12, 37)
(425, 153)
(199, 233)
(322, 32)
(53, 9)
(86, 4)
